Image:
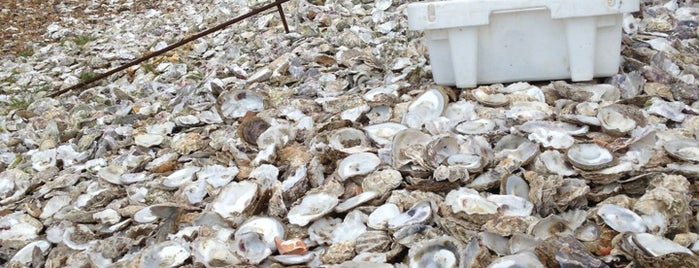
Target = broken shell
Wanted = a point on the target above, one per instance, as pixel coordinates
(589, 156)
(291, 247)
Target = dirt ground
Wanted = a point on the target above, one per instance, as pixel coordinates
(24, 22)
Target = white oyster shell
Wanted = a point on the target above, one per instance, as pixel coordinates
(378, 219)
(439, 252)
(621, 219)
(165, 254)
(470, 202)
(684, 149)
(424, 108)
(24, 257)
(268, 228)
(234, 104)
(235, 199)
(349, 140)
(312, 207)
(18, 229)
(213, 252)
(383, 133)
(357, 164)
(589, 156)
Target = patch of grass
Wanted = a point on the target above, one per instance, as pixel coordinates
(86, 76)
(18, 103)
(26, 53)
(196, 76)
(149, 68)
(10, 79)
(81, 40)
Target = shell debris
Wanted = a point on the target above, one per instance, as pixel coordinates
(330, 145)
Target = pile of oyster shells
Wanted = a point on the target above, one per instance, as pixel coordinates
(331, 145)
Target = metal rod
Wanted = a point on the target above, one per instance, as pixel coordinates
(281, 15)
(147, 56)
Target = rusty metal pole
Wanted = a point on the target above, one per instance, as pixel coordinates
(281, 15)
(147, 56)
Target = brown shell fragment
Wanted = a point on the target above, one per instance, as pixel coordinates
(251, 127)
(566, 251)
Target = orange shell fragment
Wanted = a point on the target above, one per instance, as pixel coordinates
(291, 247)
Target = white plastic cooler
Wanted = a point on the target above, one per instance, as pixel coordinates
(473, 42)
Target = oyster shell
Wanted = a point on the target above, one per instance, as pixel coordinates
(589, 156)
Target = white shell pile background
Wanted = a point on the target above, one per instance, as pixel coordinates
(330, 145)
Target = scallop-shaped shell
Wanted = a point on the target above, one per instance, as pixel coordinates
(373, 241)
(590, 156)
(357, 164)
(311, 207)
